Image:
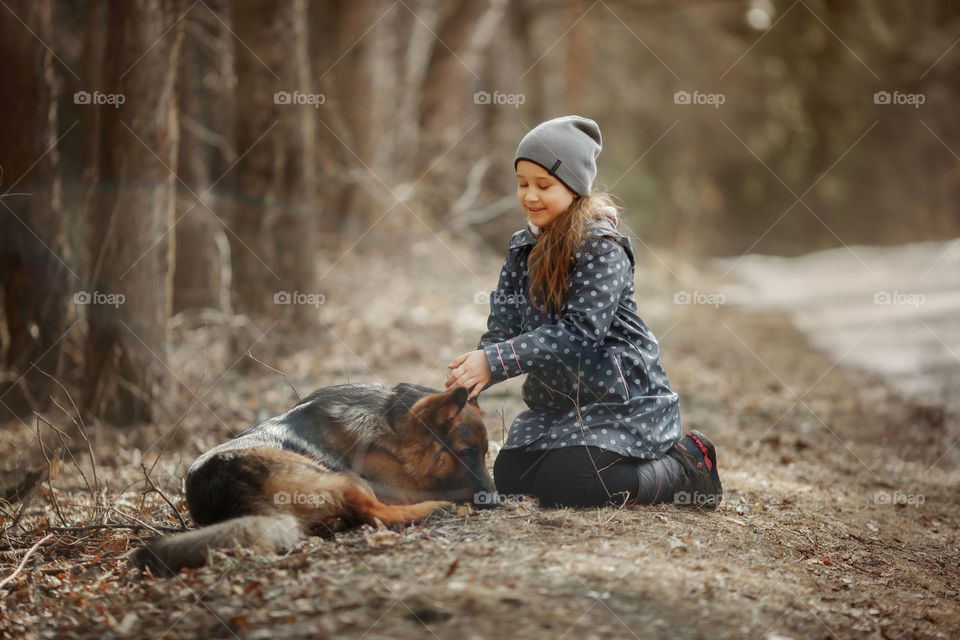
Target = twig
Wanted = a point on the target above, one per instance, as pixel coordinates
(155, 488)
(23, 562)
(53, 495)
(116, 525)
(299, 399)
(63, 440)
(182, 416)
(576, 406)
(621, 507)
(137, 520)
(119, 513)
(80, 424)
(24, 505)
(4, 511)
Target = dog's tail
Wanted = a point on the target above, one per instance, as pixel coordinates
(335, 503)
(273, 533)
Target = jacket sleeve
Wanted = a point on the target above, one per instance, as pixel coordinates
(601, 273)
(504, 319)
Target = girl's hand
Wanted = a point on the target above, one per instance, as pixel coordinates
(469, 370)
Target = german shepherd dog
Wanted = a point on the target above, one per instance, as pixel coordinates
(346, 455)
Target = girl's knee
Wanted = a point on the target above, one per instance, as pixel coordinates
(513, 472)
(570, 477)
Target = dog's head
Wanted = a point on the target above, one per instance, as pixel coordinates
(441, 442)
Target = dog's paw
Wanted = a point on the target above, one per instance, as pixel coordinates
(433, 508)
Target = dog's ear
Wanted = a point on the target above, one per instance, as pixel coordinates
(454, 402)
(440, 409)
(475, 401)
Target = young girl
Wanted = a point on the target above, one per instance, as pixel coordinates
(603, 425)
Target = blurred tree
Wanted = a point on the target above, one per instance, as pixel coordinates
(130, 215)
(463, 31)
(35, 298)
(580, 40)
(275, 217)
(205, 102)
(344, 47)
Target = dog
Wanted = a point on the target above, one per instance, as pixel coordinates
(346, 455)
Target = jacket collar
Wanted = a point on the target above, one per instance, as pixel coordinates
(595, 229)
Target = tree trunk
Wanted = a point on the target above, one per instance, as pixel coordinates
(581, 39)
(464, 29)
(354, 109)
(131, 214)
(204, 103)
(36, 300)
(275, 216)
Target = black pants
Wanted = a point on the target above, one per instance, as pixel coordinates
(587, 477)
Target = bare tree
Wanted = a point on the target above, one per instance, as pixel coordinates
(275, 216)
(464, 30)
(34, 281)
(205, 104)
(131, 214)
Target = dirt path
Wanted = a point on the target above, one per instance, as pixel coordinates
(892, 310)
(840, 516)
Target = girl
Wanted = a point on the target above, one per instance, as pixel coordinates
(603, 425)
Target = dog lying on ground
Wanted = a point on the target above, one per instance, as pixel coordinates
(344, 456)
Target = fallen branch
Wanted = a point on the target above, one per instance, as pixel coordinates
(23, 562)
(116, 525)
(119, 513)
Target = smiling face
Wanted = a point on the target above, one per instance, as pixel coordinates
(542, 196)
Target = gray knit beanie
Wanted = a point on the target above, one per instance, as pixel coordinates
(567, 148)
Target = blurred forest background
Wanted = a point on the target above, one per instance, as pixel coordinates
(160, 156)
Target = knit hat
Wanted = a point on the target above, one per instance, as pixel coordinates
(567, 148)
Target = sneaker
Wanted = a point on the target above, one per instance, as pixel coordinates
(698, 457)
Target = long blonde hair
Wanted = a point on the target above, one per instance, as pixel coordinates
(552, 258)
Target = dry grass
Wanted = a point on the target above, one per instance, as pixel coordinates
(803, 545)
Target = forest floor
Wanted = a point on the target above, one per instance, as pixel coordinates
(840, 515)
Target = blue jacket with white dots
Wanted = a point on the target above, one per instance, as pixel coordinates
(594, 371)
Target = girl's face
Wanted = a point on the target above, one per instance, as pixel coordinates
(542, 196)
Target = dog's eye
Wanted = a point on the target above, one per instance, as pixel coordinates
(466, 453)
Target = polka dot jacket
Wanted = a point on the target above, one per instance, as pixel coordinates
(597, 354)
